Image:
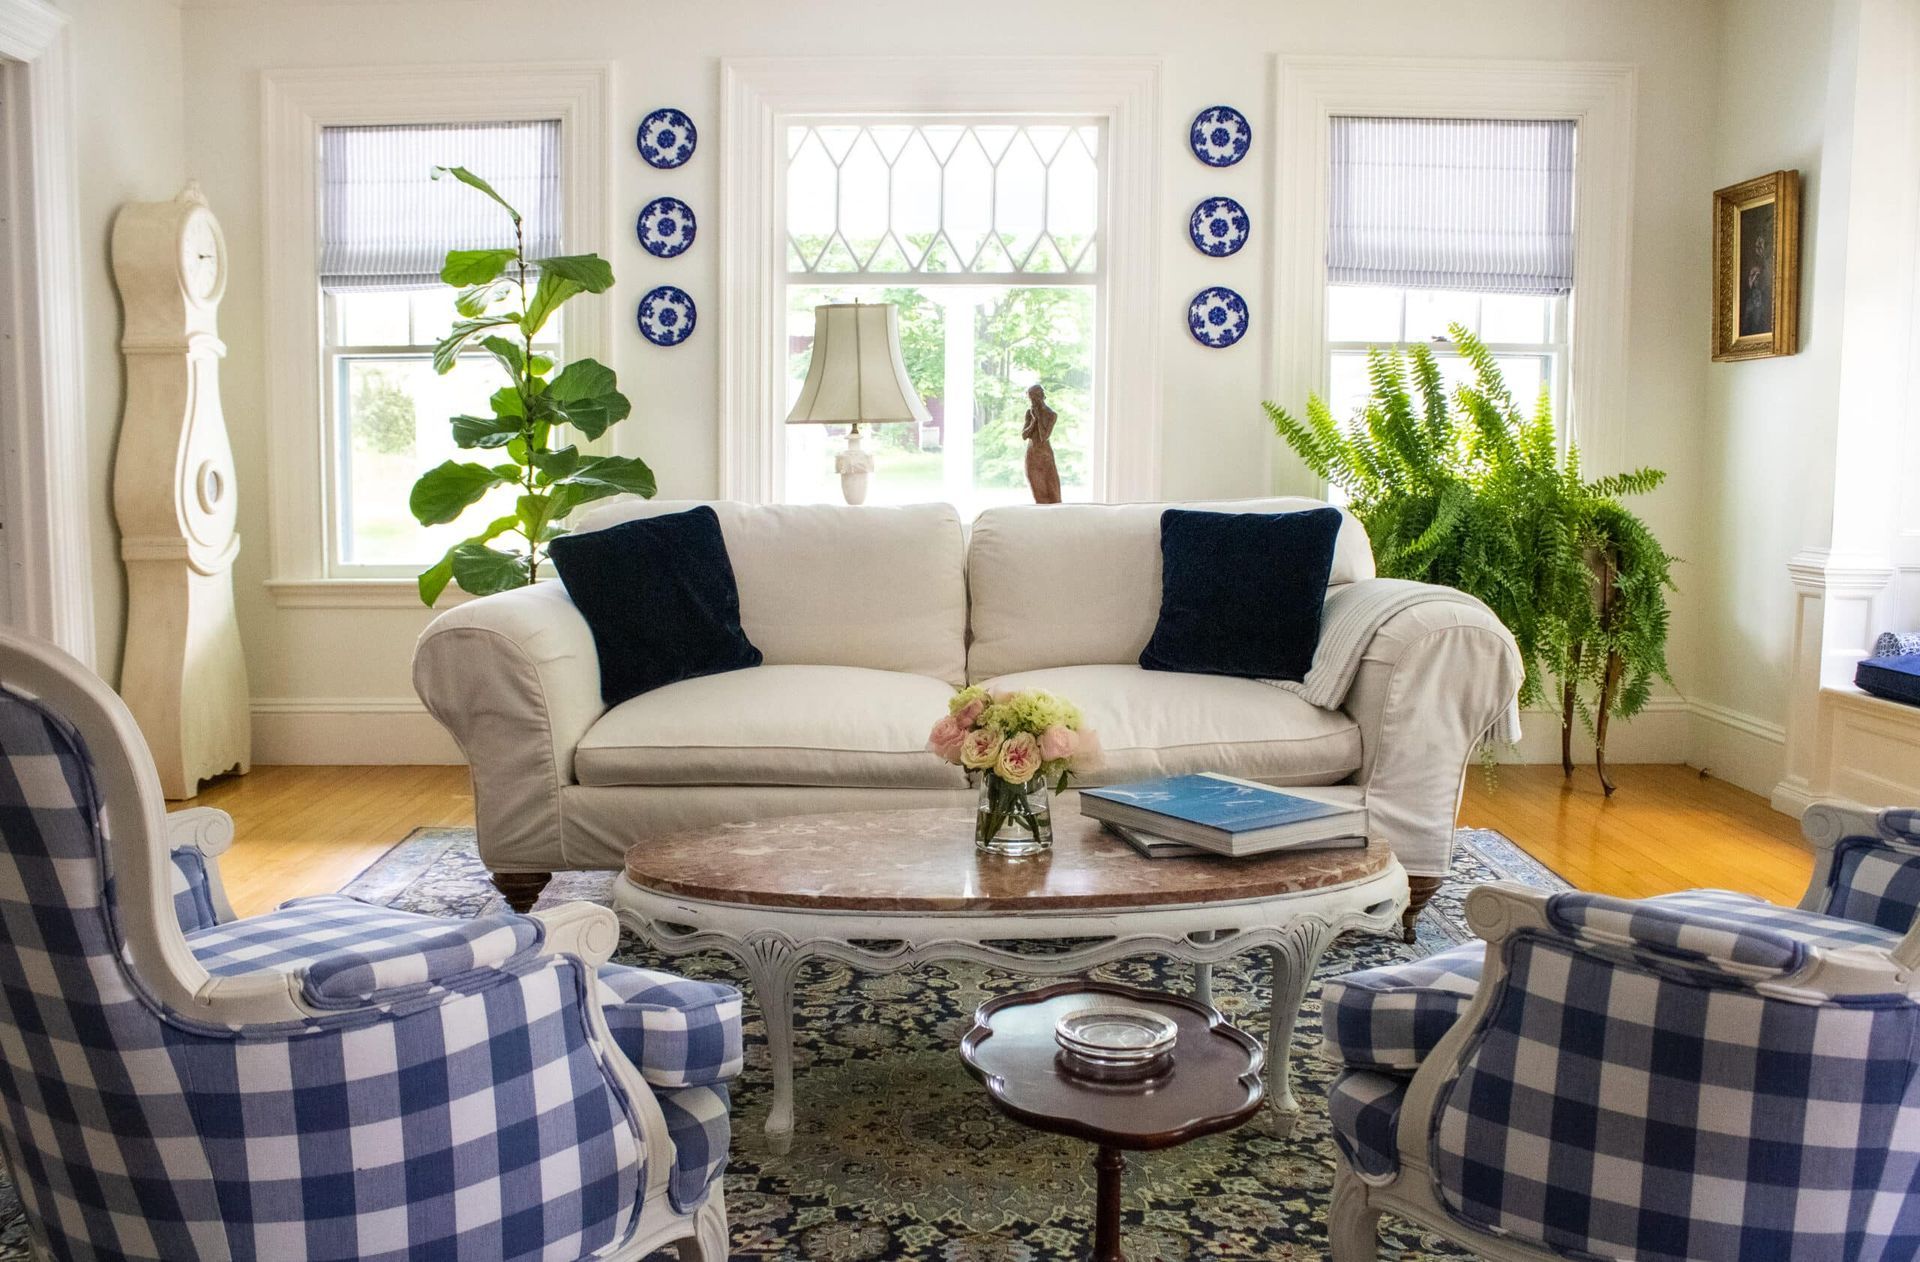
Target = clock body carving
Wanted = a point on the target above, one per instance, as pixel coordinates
(183, 675)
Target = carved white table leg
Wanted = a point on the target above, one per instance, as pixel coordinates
(1294, 958)
(1203, 972)
(771, 963)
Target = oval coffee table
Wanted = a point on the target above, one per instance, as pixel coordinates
(1213, 1084)
(886, 890)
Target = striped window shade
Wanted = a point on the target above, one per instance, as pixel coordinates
(1443, 203)
(386, 223)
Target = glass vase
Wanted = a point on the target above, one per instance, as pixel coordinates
(1015, 821)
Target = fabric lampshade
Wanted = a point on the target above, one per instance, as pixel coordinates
(856, 376)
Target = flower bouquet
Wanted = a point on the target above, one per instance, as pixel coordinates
(1018, 748)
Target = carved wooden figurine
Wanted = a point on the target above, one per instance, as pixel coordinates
(1043, 475)
(183, 675)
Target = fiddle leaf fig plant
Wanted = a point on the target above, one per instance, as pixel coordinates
(534, 420)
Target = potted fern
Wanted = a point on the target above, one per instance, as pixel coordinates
(534, 417)
(1463, 488)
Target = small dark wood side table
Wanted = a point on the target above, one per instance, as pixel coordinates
(1214, 1084)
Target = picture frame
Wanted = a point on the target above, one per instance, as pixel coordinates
(1756, 268)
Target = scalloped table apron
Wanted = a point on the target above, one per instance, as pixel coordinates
(886, 890)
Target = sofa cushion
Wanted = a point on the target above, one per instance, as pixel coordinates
(1076, 584)
(1241, 592)
(831, 585)
(780, 725)
(659, 596)
(1152, 723)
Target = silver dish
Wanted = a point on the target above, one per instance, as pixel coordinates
(1115, 1033)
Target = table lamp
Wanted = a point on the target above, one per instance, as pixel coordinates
(856, 377)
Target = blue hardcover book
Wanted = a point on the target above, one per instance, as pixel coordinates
(1228, 816)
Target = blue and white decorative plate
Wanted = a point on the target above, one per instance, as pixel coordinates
(666, 227)
(667, 138)
(1217, 317)
(1221, 136)
(667, 316)
(1219, 227)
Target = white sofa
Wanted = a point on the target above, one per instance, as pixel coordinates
(868, 619)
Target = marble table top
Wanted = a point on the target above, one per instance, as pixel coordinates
(924, 860)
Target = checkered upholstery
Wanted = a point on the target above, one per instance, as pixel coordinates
(1389, 1018)
(1364, 1108)
(1715, 929)
(1876, 881)
(681, 1032)
(192, 892)
(699, 1120)
(1649, 1102)
(349, 951)
(475, 1118)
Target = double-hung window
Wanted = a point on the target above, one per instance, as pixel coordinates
(1437, 222)
(986, 233)
(385, 227)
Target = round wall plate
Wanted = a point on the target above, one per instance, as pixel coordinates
(666, 227)
(1221, 136)
(1217, 317)
(1219, 227)
(667, 316)
(667, 138)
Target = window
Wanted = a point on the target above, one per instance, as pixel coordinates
(385, 227)
(987, 236)
(1527, 334)
(1436, 222)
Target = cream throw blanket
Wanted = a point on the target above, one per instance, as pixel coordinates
(1352, 614)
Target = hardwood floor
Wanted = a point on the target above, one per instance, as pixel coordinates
(309, 830)
(1667, 828)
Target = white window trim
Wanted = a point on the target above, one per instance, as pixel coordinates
(758, 95)
(295, 105)
(48, 560)
(1598, 96)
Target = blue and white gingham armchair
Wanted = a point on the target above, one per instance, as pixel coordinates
(1702, 1075)
(331, 1080)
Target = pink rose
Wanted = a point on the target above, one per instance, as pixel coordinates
(1019, 758)
(969, 714)
(980, 749)
(946, 738)
(1057, 742)
(1087, 755)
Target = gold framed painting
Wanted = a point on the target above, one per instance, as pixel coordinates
(1756, 268)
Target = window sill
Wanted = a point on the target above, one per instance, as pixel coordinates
(355, 593)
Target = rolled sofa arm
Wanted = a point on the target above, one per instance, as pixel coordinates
(1433, 680)
(515, 679)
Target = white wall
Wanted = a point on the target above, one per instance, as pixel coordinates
(315, 672)
(1769, 425)
(128, 116)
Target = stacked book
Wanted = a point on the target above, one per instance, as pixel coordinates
(1215, 814)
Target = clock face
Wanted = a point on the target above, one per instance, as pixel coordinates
(203, 262)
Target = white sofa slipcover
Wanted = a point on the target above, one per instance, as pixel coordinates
(867, 618)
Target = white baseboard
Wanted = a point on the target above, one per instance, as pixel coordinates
(1660, 733)
(348, 732)
(1739, 748)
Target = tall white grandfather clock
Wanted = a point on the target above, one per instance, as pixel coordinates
(183, 675)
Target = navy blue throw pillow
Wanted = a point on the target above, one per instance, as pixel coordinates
(658, 594)
(1240, 593)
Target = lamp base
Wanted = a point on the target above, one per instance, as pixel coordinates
(855, 467)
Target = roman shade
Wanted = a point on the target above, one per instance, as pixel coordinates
(1449, 203)
(386, 223)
